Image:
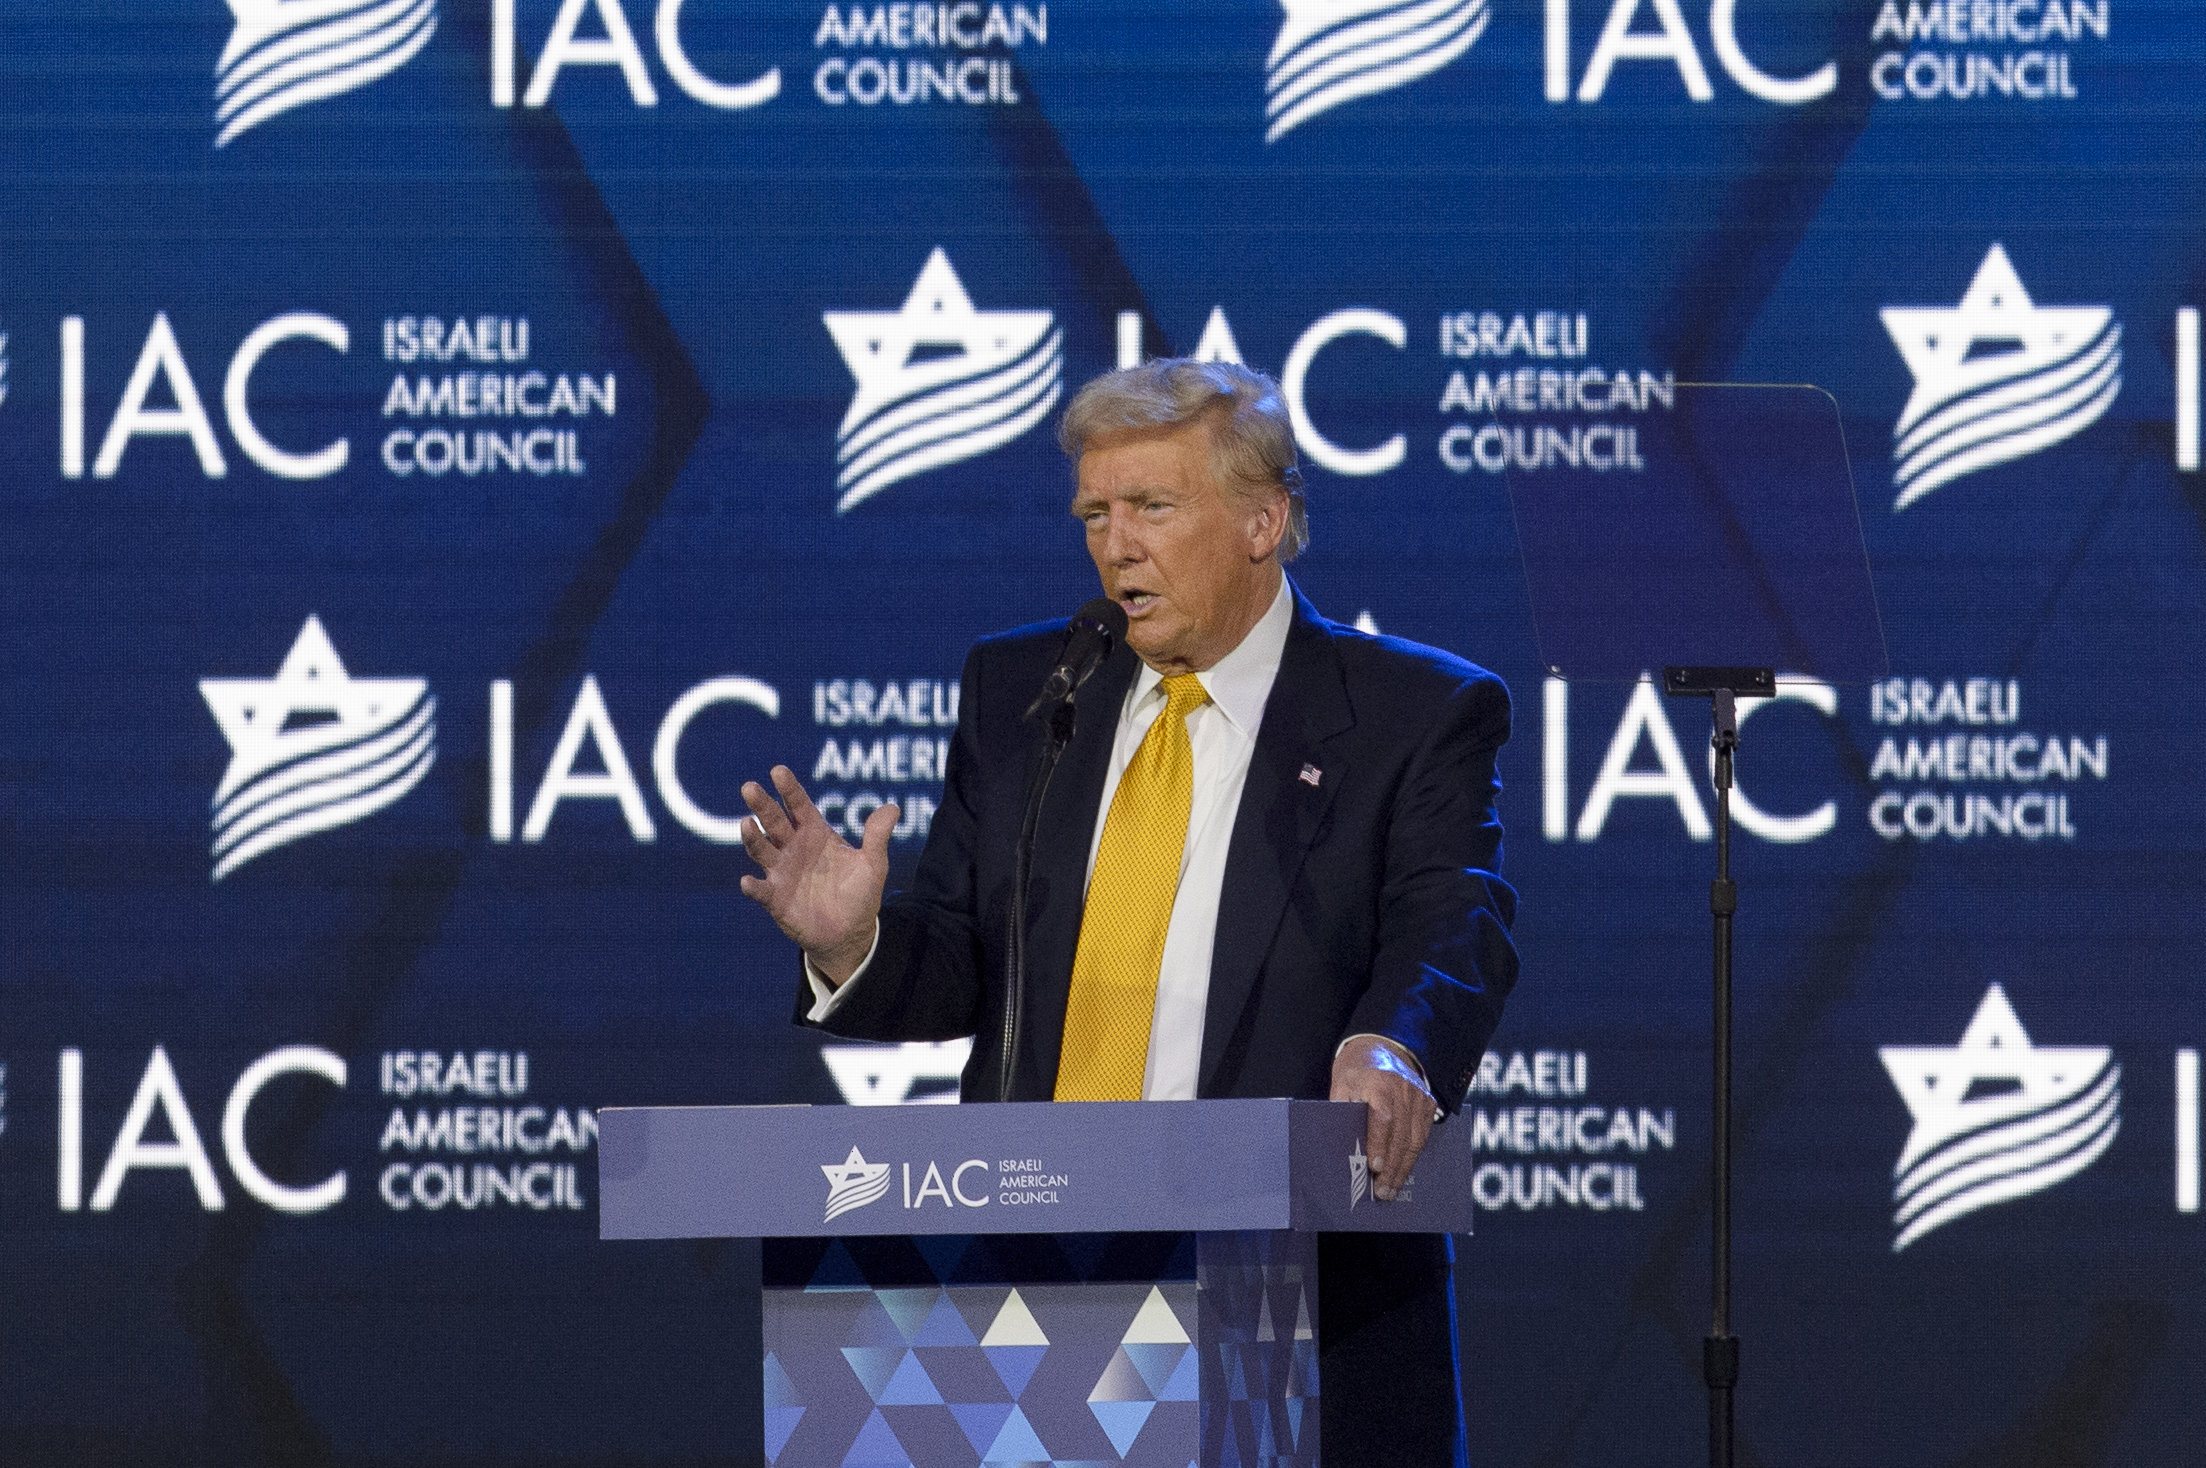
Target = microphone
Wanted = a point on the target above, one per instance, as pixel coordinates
(1095, 629)
(1088, 641)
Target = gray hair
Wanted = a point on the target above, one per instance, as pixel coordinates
(1252, 449)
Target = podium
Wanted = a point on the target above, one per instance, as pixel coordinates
(1104, 1282)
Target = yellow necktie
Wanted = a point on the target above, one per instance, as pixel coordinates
(1137, 876)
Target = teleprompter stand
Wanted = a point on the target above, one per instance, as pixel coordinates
(1726, 549)
(1720, 1351)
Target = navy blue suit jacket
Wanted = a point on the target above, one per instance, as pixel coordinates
(1364, 897)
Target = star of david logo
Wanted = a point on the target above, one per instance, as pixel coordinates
(854, 1183)
(1335, 51)
(1997, 377)
(313, 748)
(286, 53)
(1995, 1117)
(938, 380)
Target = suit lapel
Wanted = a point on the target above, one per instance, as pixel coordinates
(1058, 888)
(1281, 813)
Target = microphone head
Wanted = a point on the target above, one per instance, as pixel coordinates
(1105, 615)
(1095, 629)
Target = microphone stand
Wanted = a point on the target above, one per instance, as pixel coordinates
(1022, 867)
(1720, 1350)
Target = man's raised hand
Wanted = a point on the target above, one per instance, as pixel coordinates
(822, 891)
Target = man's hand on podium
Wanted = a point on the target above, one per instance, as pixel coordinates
(1384, 1078)
(822, 891)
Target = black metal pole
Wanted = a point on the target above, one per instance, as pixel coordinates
(1720, 1352)
(1022, 868)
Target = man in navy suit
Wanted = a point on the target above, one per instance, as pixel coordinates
(1338, 928)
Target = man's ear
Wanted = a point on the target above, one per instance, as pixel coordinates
(1267, 527)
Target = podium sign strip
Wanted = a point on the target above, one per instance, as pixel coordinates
(1039, 1167)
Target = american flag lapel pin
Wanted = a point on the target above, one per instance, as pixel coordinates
(1309, 776)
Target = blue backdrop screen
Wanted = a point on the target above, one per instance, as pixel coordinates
(448, 445)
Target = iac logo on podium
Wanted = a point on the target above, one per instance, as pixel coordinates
(854, 1184)
(939, 381)
(1997, 378)
(1996, 1118)
(286, 53)
(313, 748)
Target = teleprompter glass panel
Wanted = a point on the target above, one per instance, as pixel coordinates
(1716, 526)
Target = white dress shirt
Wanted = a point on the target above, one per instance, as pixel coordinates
(1222, 734)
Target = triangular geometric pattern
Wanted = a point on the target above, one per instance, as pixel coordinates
(1015, 1344)
(837, 1269)
(1156, 1324)
(783, 1410)
(1015, 1365)
(909, 1387)
(932, 1435)
(1015, 1325)
(1185, 1382)
(874, 1366)
(943, 1252)
(979, 1306)
(782, 1407)
(875, 1326)
(1121, 1381)
(908, 1308)
(780, 1422)
(965, 1374)
(1253, 1366)
(1015, 1442)
(1127, 1392)
(1121, 1421)
(1155, 1363)
(1105, 1371)
(944, 1326)
(982, 1421)
(876, 1447)
(1237, 1382)
(781, 1390)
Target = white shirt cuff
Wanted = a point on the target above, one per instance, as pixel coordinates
(1393, 1045)
(1396, 1047)
(826, 996)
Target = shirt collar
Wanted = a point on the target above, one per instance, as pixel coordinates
(1240, 682)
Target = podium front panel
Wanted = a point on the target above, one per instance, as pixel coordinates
(939, 1351)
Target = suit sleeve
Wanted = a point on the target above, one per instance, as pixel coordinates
(924, 981)
(1444, 962)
